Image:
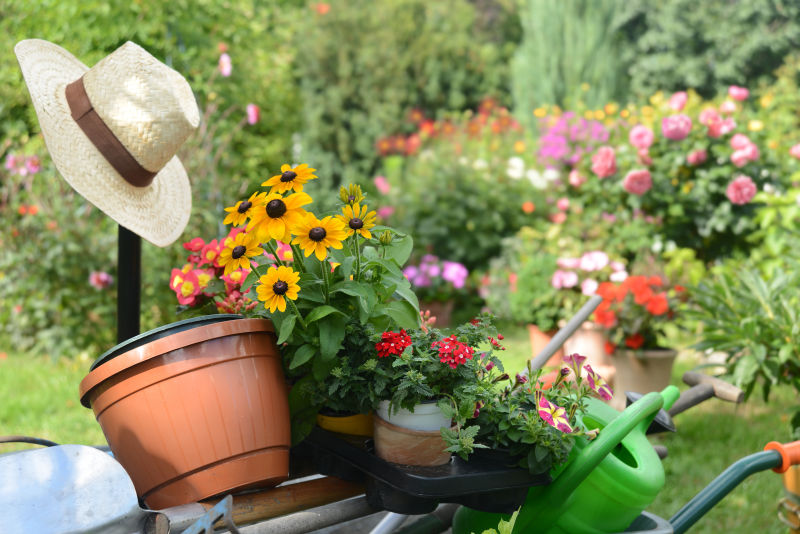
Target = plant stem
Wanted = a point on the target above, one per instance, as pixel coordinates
(274, 253)
(326, 268)
(298, 255)
(297, 313)
(357, 248)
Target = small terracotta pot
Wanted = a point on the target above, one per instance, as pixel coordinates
(409, 447)
(539, 340)
(359, 424)
(196, 413)
(641, 371)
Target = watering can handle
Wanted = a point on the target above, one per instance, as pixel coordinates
(639, 413)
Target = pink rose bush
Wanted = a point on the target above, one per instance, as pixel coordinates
(676, 127)
(638, 182)
(641, 136)
(741, 190)
(738, 93)
(678, 101)
(604, 162)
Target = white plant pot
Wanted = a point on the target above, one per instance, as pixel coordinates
(425, 417)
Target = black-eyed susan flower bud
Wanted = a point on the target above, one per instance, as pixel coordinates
(351, 194)
(386, 237)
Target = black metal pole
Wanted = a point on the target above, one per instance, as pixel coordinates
(129, 283)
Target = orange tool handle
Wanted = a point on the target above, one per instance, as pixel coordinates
(790, 453)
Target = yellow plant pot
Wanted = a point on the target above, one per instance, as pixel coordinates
(360, 424)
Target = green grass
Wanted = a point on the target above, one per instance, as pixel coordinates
(39, 398)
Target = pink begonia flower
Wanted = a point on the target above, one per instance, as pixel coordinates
(709, 116)
(604, 162)
(382, 185)
(576, 179)
(721, 127)
(225, 65)
(739, 141)
(748, 153)
(641, 136)
(568, 263)
(676, 127)
(595, 260)
(597, 383)
(33, 164)
(638, 182)
(455, 273)
(11, 161)
(553, 415)
(563, 204)
(384, 212)
(795, 151)
(564, 279)
(727, 107)
(697, 157)
(678, 100)
(100, 279)
(558, 218)
(644, 157)
(589, 286)
(738, 93)
(617, 266)
(253, 113)
(741, 190)
(608, 217)
(618, 276)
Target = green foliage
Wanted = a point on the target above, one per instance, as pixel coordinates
(754, 319)
(504, 527)
(566, 45)
(679, 44)
(364, 65)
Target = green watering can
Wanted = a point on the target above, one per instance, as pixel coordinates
(604, 486)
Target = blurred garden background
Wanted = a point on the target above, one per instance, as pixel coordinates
(534, 149)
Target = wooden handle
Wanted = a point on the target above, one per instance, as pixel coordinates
(289, 498)
(722, 390)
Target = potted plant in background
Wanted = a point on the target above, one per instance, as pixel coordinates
(428, 385)
(438, 284)
(635, 313)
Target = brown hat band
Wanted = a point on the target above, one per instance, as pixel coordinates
(103, 138)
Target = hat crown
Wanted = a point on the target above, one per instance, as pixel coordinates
(148, 106)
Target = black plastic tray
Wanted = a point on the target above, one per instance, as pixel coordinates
(487, 482)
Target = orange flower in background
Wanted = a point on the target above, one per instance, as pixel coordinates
(635, 341)
(528, 207)
(658, 304)
(33, 209)
(23, 209)
(610, 347)
(604, 316)
(322, 8)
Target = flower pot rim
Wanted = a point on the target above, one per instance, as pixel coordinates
(421, 433)
(647, 353)
(166, 344)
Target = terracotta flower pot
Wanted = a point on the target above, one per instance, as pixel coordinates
(641, 371)
(196, 413)
(539, 340)
(359, 424)
(443, 311)
(409, 447)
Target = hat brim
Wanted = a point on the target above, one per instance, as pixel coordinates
(158, 212)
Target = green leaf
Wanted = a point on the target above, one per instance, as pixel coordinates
(319, 312)
(287, 326)
(404, 314)
(400, 249)
(403, 290)
(302, 355)
(365, 293)
(331, 334)
(249, 281)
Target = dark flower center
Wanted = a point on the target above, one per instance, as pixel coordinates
(351, 199)
(237, 252)
(244, 206)
(356, 223)
(276, 208)
(280, 287)
(317, 233)
(288, 176)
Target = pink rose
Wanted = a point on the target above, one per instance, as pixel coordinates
(384, 212)
(604, 162)
(225, 65)
(676, 127)
(558, 218)
(751, 152)
(697, 157)
(741, 190)
(638, 182)
(738, 93)
(563, 204)
(721, 127)
(253, 113)
(727, 107)
(709, 116)
(641, 136)
(678, 100)
(382, 185)
(564, 279)
(644, 157)
(576, 179)
(739, 158)
(795, 151)
(739, 141)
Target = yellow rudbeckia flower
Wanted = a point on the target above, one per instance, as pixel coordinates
(239, 212)
(238, 251)
(279, 284)
(315, 235)
(290, 178)
(357, 219)
(277, 216)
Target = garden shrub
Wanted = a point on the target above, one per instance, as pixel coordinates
(364, 65)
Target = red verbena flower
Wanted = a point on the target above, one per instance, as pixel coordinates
(453, 352)
(392, 343)
(635, 341)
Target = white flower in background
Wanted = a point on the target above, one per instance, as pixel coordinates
(769, 188)
(463, 161)
(536, 179)
(480, 164)
(657, 246)
(618, 276)
(617, 266)
(516, 167)
(551, 175)
(589, 286)
(427, 155)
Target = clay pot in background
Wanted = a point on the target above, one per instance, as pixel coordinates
(197, 413)
(641, 371)
(539, 340)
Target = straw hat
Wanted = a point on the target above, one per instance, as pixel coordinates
(113, 131)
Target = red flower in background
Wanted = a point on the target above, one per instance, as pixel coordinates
(453, 352)
(635, 341)
(392, 343)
